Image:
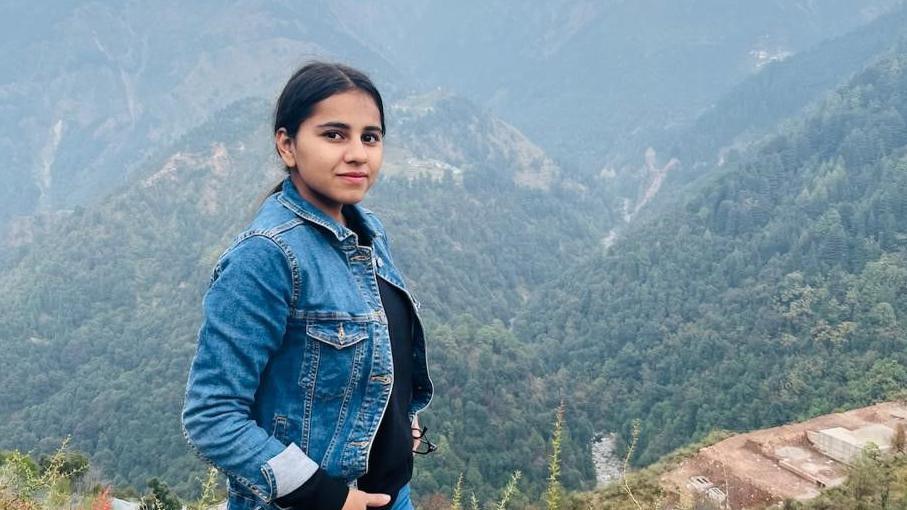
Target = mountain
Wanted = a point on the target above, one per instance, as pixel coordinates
(782, 89)
(89, 91)
(767, 288)
(775, 291)
(752, 109)
(580, 78)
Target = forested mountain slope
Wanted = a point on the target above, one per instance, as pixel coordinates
(753, 108)
(90, 89)
(106, 300)
(783, 88)
(775, 290)
(778, 290)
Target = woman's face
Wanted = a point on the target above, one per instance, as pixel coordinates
(337, 151)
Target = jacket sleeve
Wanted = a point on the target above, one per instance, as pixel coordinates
(245, 315)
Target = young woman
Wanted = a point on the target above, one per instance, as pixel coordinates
(311, 368)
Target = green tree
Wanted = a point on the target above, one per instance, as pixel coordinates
(159, 497)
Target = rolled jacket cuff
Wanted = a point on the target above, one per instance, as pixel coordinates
(289, 469)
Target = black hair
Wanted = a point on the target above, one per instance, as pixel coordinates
(315, 82)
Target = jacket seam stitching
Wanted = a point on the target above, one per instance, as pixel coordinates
(239, 478)
(306, 216)
(289, 256)
(309, 403)
(355, 370)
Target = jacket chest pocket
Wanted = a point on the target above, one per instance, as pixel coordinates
(334, 356)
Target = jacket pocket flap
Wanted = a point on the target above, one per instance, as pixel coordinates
(337, 333)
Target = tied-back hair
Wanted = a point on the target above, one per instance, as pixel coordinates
(310, 84)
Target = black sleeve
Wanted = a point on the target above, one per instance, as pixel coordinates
(320, 491)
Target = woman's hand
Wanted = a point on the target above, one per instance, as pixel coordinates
(358, 500)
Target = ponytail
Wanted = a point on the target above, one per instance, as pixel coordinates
(275, 189)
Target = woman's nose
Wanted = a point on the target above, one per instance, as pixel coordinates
(355, 152)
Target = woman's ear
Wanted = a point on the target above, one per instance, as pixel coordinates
(286, 147)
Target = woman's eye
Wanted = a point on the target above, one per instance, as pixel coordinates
(371, 138)
(333, 135)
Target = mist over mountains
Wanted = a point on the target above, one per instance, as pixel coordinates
(591, 70)
(760, 278)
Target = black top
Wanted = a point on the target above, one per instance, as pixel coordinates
(391, 458)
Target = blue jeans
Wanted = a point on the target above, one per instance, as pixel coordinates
(403, 502)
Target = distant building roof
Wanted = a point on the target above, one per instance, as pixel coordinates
(876, 433)
(699, 483)
(122, 504)
(717, 494)
(879, 434)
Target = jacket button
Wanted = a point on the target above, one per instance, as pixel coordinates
(383, 379)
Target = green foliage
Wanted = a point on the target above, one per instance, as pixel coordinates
(210, 493)
(634, 437)
(487, 374)
(642, 488)
(49, 485)
(27, 485)
(487, 268)
(71, 464)
(509, 490)
(775, 291)
(112, 335)
(875, 482)
(473, 502)
(553, 494)
(456, 500)
(159, 497)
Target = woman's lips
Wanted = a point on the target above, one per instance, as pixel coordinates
(355, 178)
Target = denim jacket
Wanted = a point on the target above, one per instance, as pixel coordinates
(293, 368)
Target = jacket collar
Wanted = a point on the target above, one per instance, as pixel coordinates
(292, 200)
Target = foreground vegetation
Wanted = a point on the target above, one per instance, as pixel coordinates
(642, 489)
(876, 482)
(64, 480)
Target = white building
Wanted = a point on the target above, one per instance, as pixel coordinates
(845, 445)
